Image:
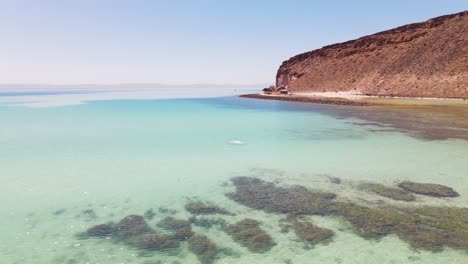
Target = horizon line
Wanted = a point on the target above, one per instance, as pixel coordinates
(147, 84)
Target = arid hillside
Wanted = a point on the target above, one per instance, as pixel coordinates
(428, 59)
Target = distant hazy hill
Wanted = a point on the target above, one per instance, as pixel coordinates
(428, 59)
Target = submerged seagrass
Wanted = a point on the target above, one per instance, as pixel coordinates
(308, 232)
(204, 248)
(389, 192)
(430, 189)
(429, 228)
(201, 208)
(249, 234)
(134, 231)
(181, 228)
(267, 196)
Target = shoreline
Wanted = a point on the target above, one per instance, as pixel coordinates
(306, 99)
(353, 99)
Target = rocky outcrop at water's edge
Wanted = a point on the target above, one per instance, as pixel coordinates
(428, 59)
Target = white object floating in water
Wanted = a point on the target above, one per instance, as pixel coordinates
(236, 142)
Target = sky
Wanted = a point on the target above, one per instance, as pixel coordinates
(183, 42)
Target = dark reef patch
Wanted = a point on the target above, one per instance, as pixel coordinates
(430, 189)
(248, 233)
(173, 224)
(181, 228)
(198, 208)
(133, 231)
(130, 226)
(310, 233)
(204, 248)
(429, 228)
(271, 198)
(389, 192)
(102, 230)
(59, 212)
(149, 214)
(158, 242)
(334, 180)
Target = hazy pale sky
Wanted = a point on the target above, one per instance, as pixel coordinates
(182, 42)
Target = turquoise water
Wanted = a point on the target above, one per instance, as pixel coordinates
(121, 157)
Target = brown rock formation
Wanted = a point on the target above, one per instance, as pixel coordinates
(428, 59)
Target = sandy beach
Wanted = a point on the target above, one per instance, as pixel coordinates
(357, 99)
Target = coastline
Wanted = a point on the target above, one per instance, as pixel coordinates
(306, 99)
(354, 99)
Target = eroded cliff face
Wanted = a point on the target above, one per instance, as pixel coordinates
(428, 59)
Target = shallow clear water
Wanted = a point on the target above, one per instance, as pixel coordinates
(121, 157)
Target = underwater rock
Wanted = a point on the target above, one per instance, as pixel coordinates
(271, 198)
(174, 224)
(205, 208)
(132, 225)
(207, 223)
(129, 227)
(310, 233)
(432, 228)
(59, 212)
(429, 228)
(135, 232)
(370, 222)
(333, 179)
(389, 192)
(102, 230)
(149, 214)
(204, 248)
(430, 189)
(158, 242)
(182, 228)
(183, 234)
(89, 214)
(248, 233)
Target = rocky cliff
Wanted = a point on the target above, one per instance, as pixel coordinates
(428, 59)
